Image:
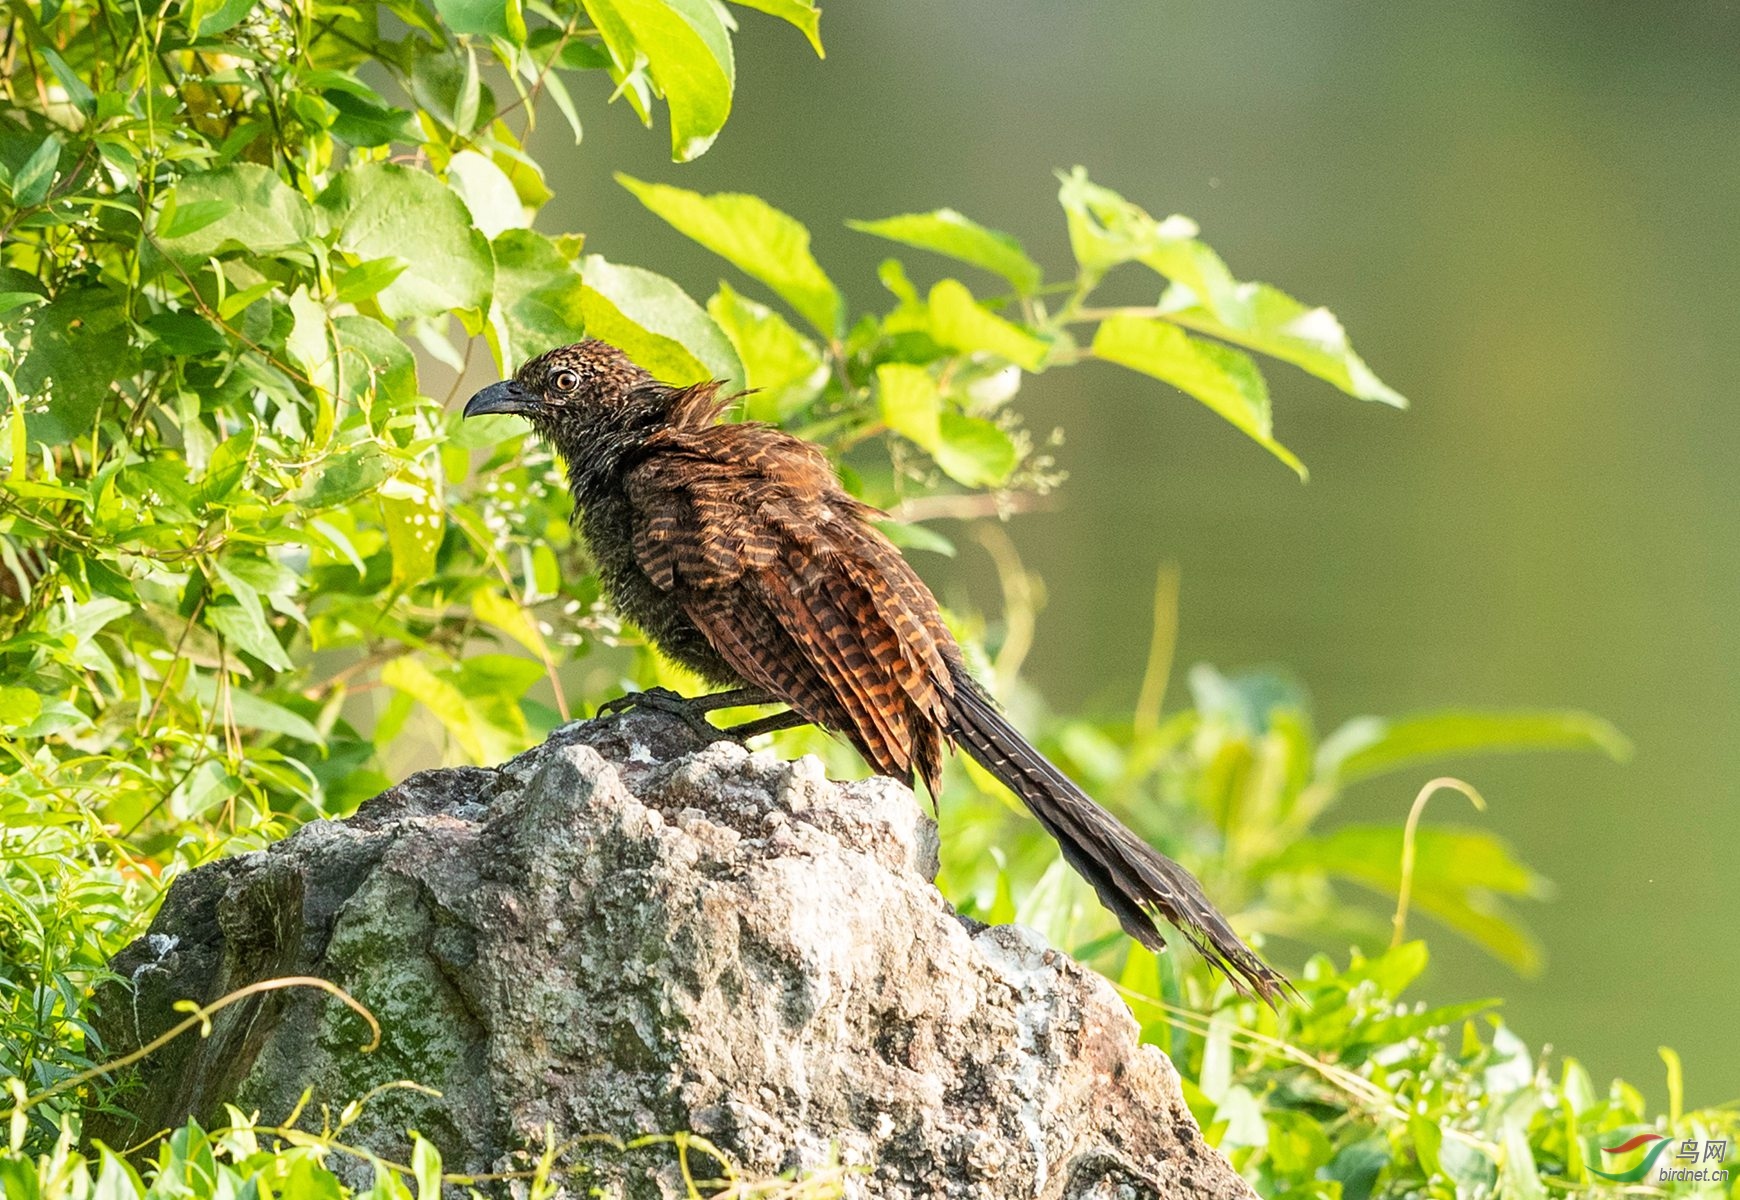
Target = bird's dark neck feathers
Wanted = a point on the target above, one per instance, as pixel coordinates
(599, 447)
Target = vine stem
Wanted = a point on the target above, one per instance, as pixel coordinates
(1404, 893)
(200, 1015)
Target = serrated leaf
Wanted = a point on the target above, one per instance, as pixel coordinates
(962, 323)
(263, 215)
(655, 323)
(539, 301)
(1271, 322)
(910, 403)
(785, 368)
(688, 53)
(1224, 379)
(755, 237)
(382, 210)
(947, 232)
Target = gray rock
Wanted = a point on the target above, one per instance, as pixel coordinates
(622, 932)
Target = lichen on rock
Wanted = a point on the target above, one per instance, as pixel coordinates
(624, 932)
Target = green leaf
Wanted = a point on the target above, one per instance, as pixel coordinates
(488, 193)
(801, 13)
(342, 478)
(688, 54)
(756, 238)
(226, 14)
(263, 215)
(364, 121)
(910, 403)
(655, 323)
(491, 18)
(62, 381)
(962, 323)
(947, 232)
(973, 451)
(1458, 876)
(426, 1168)
(382, 210)
(539, 301)
(374, 366)
(912, 536)
(18, 706)
(1372, 746)
(367, 279)
(77, 91)
(499, 612)
(31, 182)
(1271, 322)
(256, 712)
(785, 368)
(1106, 230)
(226, 469)
(1225, 380)
(411, 510)
(246, 628)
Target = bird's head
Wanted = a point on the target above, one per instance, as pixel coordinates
(569, 389)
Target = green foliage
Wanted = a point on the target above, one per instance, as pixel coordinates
(244, 1158)
(1239, 787)
(248, 553)
(1359, 1092)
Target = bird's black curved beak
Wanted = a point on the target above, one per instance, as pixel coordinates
(504, 397)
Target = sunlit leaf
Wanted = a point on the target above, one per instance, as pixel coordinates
(656, 323)
(687, 51)
(962, 323)
(1225, 380)
(801, 13)
(539, 302)
(785, 368)
(259, 214)
(381, 210)
(974, 451)
(947, 232)
(910, 403)
(755, 237)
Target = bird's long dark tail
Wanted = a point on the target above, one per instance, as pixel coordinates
(1133, 879)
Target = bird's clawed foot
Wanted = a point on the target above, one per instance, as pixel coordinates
(692, 711)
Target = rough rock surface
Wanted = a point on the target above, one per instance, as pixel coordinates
(623, 932)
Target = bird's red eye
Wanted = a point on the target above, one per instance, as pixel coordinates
(564, 381)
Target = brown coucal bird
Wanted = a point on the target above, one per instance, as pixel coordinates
(735, 549)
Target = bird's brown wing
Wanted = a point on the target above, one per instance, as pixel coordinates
(785, 577)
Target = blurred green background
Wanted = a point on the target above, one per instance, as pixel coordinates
(1524, 215)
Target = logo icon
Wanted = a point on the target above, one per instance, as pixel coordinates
(1641, 1169)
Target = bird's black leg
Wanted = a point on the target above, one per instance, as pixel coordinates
(778, 721)
(692, 711)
